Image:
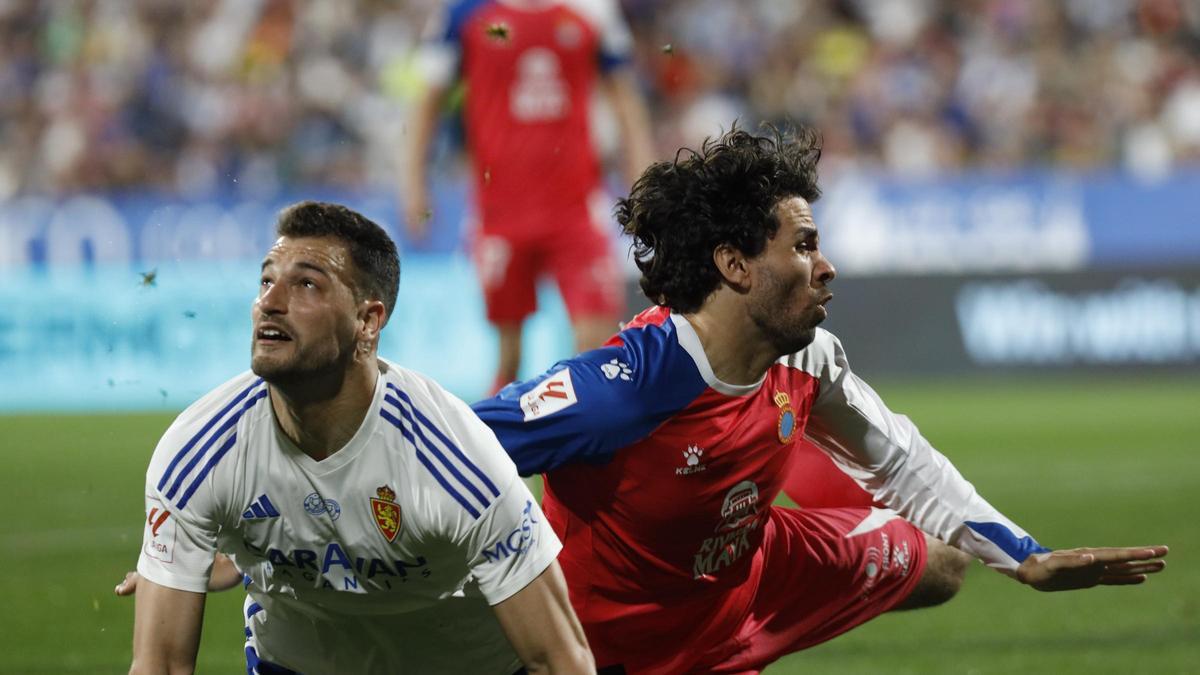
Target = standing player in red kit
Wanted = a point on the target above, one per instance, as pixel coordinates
(665, 449)
(530, 67)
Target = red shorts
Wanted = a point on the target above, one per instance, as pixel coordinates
(819, 573)
(575, 251)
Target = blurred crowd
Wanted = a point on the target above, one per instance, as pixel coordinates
(253, 95)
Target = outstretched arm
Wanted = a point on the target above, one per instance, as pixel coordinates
(542, 627)
(886, 454)
(166, 629)
(1076, 568)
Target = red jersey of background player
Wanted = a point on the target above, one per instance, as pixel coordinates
(529, 68)
(660, 480)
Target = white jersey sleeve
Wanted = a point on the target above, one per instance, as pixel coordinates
(505, 537)
(182, 511)
(886, 454)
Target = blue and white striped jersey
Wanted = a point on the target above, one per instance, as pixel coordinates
(383, 557)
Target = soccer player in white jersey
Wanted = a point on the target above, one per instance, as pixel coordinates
(380, 526)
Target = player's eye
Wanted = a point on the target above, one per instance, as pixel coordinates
(308, 283)
(265, 282)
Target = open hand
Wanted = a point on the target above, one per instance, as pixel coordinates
(1077, 568)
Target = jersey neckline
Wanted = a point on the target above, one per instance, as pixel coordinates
(690, 341)
(349, 451)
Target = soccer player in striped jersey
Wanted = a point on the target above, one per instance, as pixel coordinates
(664, 450)
(379, 525)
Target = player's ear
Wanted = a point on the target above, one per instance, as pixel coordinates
(732, 265)
(372, 315)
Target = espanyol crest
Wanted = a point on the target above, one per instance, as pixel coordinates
(787, 417)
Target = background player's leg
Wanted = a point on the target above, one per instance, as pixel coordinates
(593, 331)
(509, 334)
(580, 258)
(508, 273)
(945, 567)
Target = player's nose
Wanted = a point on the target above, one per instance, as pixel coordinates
(824, 271)
(273, 300)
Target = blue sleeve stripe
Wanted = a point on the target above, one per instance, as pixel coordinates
(428, 465)
(446, 441)
(445, 461)
(229, 424)
(253, 609)
(200, 434)
(1017, 548)
(207, 469)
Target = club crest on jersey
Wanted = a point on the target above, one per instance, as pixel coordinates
(386, 512)
(787, 417)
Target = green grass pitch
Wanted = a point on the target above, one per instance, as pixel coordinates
(1098, 461)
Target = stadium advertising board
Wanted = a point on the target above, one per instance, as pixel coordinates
(140, 301)
(1091, 319)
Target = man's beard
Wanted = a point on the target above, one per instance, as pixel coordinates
(301, 367)
(790, 332)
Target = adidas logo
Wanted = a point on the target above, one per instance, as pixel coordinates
(260, 509)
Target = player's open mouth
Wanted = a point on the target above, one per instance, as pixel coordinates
(271, 334)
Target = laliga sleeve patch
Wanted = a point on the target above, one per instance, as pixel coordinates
(160, 531)
(552, 395)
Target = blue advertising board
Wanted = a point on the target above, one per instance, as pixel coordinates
(110, 338)
(82, 328)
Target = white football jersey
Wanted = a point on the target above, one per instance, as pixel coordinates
(384, 557)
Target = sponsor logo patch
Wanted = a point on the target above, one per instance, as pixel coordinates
(517, 542)
(736, 533)
(550, 396)
(160, 531)
(617, 369)
(386, 512)
(318, 506)
(691, 461)
(260, 509)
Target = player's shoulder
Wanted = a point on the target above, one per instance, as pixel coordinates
(204, 433)
(463, 465)
(641, 370)
(824, 357)
(419, 392)
(221, 408)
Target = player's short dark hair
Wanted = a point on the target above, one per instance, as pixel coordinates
(376, 262)
(725, 193)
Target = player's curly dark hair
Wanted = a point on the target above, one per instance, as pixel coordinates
(679, 212)
(372, 250)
